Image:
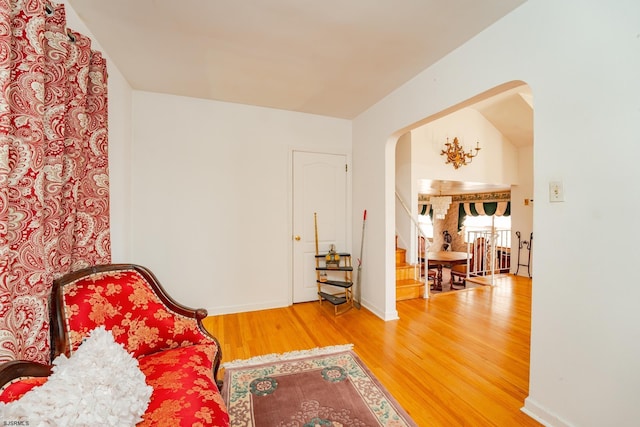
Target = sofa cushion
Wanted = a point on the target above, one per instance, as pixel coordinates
(124, 303)
(184, 390)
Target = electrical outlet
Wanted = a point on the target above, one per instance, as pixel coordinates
(556, 192)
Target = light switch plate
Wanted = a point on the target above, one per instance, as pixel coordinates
(556, 192)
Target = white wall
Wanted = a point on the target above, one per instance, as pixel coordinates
(521, 214)
(120, 142)
(211, 197)
(496, 163)
(404, 180)
(581, 60)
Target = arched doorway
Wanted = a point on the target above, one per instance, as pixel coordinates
(501, 121)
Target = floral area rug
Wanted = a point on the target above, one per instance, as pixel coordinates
(324, 387)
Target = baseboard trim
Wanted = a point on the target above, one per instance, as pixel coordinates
(386, 316)
(216, 311)
(542, 415)
(247, 307)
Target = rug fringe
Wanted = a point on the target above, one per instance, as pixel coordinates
(274, 357)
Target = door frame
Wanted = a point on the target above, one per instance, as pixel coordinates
(348, 207)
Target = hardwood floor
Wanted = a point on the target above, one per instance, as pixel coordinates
(458, 358)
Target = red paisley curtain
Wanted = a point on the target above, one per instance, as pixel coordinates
(54, 187)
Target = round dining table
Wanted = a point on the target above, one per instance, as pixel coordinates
(445, 258)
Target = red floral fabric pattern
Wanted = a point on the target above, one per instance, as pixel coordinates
(18, 387)
(184, 390)
(54, 186)
(175, 356)
(124, 303)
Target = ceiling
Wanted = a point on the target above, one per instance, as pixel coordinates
(511, 112)
(332, 57)
(452, 188)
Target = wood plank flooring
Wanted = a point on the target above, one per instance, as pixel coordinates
(458, 358)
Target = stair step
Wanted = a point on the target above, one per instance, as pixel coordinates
(407, 271)
(409, 289)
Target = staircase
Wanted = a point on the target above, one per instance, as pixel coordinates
(407, 284)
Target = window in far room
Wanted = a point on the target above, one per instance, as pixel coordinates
(426, 226)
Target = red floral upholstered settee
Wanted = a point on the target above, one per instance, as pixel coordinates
(176, 354)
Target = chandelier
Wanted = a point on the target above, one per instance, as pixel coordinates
(440, 206)
(456, 155)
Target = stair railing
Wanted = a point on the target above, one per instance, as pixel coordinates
(422, 264)
(491, 252)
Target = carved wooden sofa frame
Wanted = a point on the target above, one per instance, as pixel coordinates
(172, 332)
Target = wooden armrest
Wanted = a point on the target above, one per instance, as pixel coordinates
(9, 371)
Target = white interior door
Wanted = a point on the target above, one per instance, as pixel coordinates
(320, 187)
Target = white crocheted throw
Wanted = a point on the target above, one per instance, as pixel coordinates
(99, 385)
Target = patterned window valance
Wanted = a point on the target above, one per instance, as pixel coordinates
(475, 204)
(501, 208)
(496, 203)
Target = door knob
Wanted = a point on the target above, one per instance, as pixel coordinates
(297, 238)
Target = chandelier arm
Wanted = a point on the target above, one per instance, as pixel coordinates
(456, 155)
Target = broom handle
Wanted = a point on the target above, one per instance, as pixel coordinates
(364, 220)
(359, 280)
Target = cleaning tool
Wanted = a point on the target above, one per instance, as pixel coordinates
(358, 291)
